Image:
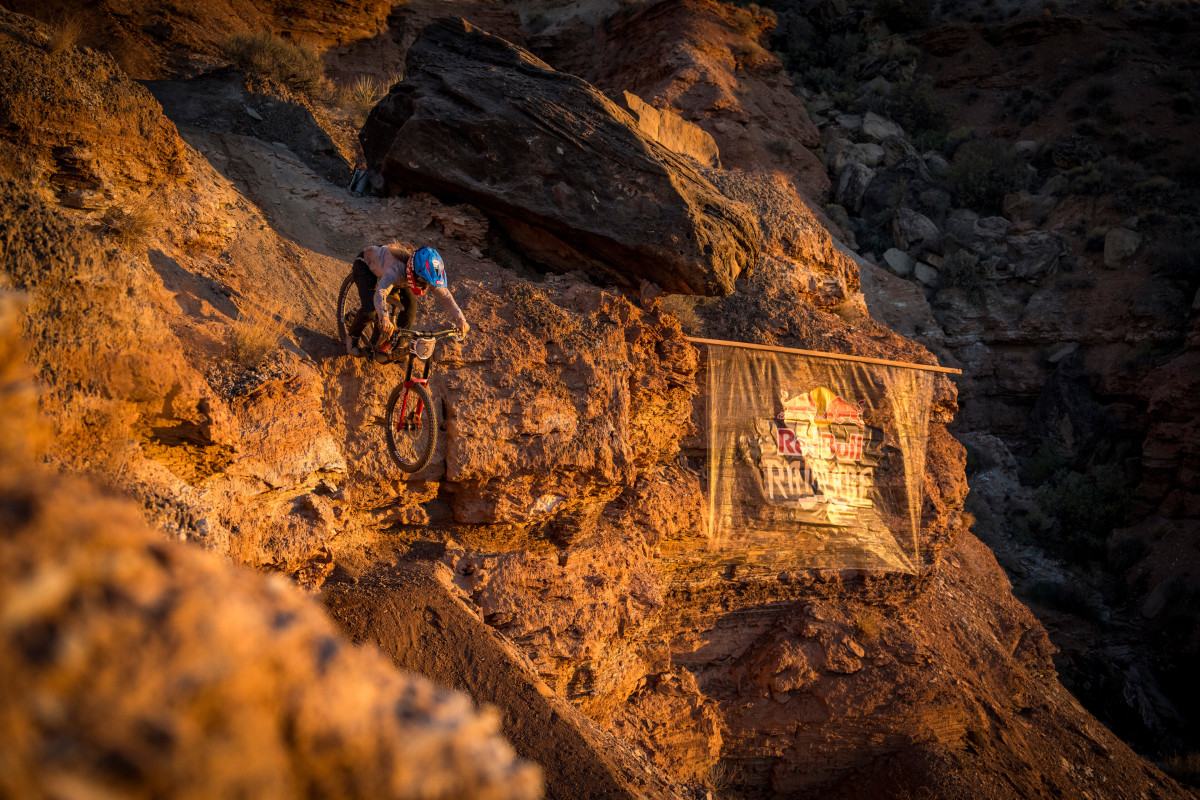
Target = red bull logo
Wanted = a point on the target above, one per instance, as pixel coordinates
(822, 406)
(823, 445)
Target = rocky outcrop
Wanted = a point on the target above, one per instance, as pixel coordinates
(556, 163)
(74, 124)
(139, 665)
(671, 131)
(705, 61)
(220, 101)
(156, 41)
(383, 54)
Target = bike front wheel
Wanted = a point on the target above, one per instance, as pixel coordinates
(411, 426)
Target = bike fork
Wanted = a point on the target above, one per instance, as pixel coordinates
(408, 384)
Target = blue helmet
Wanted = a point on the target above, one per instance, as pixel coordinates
(426, 264)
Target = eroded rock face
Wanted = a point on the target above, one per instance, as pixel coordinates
(74, 122)
(556, 163)
(563, 399)
(143, 666)
(706, 61)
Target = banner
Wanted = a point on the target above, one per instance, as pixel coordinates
(815, 462)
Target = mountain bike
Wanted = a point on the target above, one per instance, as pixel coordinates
(411, 418)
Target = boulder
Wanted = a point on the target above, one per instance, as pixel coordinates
(925, 273)
(671, 130)
(879, 128)
(984, 236)
(1025, 207)
(913, 230)
(899, 261)
(1119, 246)
(852, 186)
(1033, 253)
(868, 154)
(556, 163)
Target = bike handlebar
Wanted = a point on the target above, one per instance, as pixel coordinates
(449, 332)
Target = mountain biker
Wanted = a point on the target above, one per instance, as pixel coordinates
(396, 270)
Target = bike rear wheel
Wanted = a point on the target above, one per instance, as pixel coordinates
(348, 305)
(411, 426)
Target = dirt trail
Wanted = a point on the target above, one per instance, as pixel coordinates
(413, 616)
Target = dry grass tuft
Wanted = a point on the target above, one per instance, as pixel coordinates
(683, 308)
(129, 227)
(868, 624)
(255, 335)
(361, 96)
(1184, 768)
(366, 90)
(66, 31)
(264, 55)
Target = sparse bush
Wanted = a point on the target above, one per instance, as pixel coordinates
(366, 90)
(921, 111)
(266, 56)
(902, 16)
(962, 271)
(360, 97)
(1184, 768)
(129, 227)
(1095, 239)
(683, 308)
(1042, 466)
(781, 146)
(868, 623)
(255, 335)
(66, 31)
(1176, 252)
(983, 171)
(1080, 509)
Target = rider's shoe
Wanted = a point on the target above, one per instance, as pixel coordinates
(352, 348)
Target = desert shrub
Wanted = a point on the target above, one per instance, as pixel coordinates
(923, 114)
(868, 624)
(1110, 57)
(1042, 465)
(1184, 768)
(255, 335)
(1176, 252)
(902, 16)
(962, 271)
(360, 97)
(1080, 509)
(683, 308)
(781, 146)
(66, 31)
(130, 226)
(983, 171)
(264, 55)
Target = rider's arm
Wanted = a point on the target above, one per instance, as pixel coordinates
(447, 300)
(391, 278)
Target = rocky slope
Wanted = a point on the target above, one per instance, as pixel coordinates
(561, 500)
(1051, 258)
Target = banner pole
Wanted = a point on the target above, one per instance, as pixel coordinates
(835, 356)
